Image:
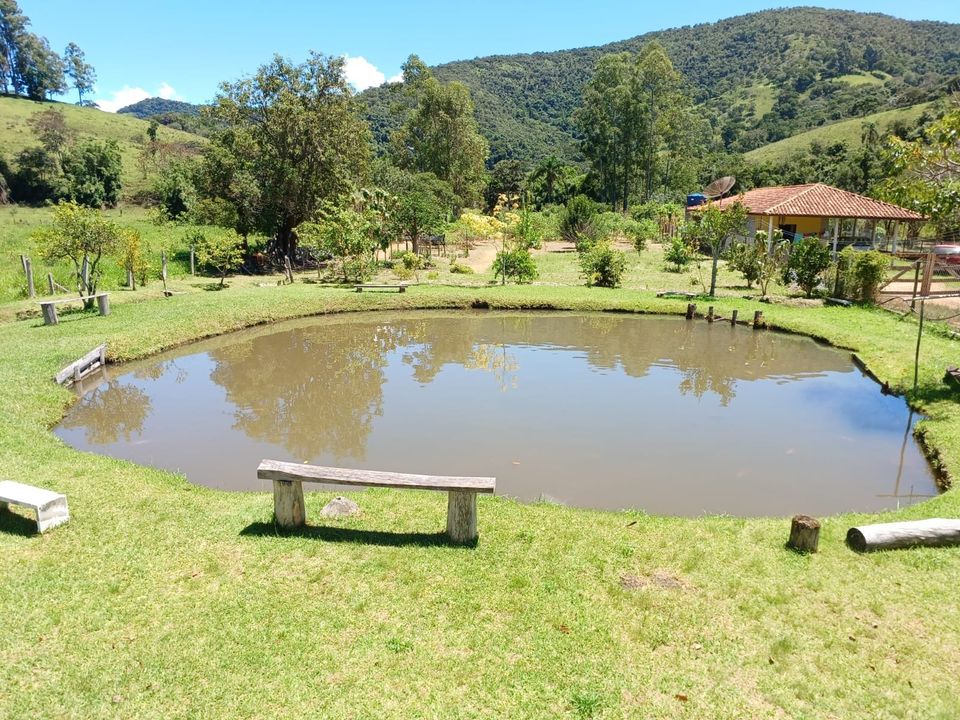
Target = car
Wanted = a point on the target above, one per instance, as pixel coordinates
(949, 254)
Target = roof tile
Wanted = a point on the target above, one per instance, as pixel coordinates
(817, 200)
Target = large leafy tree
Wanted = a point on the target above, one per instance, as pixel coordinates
(440, 134)
(715, 228)
(304, 141)
(92, 173)
(637, 123)
(80, 72)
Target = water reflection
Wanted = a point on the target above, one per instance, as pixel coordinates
(600, 410)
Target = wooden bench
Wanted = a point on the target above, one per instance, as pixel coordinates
(402, 287)
(288, 479)
(49, 307)
(50, 507)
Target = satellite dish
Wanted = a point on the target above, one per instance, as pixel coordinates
(719, 187)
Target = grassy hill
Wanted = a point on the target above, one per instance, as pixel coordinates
(127, 130)
(848, 131)
(759, 77)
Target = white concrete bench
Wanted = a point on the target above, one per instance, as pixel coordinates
(288, 479)
(50, 507)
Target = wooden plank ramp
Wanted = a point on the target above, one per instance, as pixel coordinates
(79, 369)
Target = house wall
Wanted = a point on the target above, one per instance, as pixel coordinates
(805, 225)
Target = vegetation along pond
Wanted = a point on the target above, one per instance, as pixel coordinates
(593, 410)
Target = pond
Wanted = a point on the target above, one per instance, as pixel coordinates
(594, 410)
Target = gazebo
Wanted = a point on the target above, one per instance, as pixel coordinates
(825, 211)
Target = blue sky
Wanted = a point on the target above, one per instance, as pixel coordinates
(181, 49)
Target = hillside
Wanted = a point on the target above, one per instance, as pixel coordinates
(128, 131)
(848, 131)
(760, 78)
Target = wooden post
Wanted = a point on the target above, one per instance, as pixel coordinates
(733, 317)
(50, 283)
(28, 269)
(836, 237)
(770, 235)
(935, 532)
(193, 261)
(804, 534)
(462, 516)
(928, 268)
(49, 313)
(758, 319)
(85, 276)
(163, 266)
(288, 268)
(288, 507)
(103, 304)
(691, 310)
(916, 284)
(710, 314)
(131, 282)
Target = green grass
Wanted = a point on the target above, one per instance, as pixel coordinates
(844, 131)
(165, 600)
(858, 79)
(87, 123)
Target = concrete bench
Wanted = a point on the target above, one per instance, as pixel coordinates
(50, 507)
(288, 479)
(402, 287)
(49, 307)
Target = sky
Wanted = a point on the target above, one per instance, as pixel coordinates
(183, 50)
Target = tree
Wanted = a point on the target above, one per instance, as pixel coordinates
(808, 259)
(82, 236)
(601, 265)
(226, 175)
(421, 208)
(79, 71)
(218, 249)
(39, 69)
(506, 178)
(440, 135)
(13, 24)
(131, 257)
(677, 253)
(297, 133)
(50, 128)
(924, 174)
(346, 233)
(634, 115)
(715, 227)
(92, 173)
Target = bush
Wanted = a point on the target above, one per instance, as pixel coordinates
(409, 260)
(861, 274)
(746, 259)
(578, 218)
(640, 232)
(602, 266)
(677, 253)
(219, 250)
(458, 269)
(808, 259)
(517, 264)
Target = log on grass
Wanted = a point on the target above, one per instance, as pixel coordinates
(804, 534)
(935, 532)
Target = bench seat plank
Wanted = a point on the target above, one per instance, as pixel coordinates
(50, 507)
(290, 472)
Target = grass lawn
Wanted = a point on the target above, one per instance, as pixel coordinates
(165, 600)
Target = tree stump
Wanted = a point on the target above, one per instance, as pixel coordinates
(691, 310)
(462, 516)
(288, 507)
(710, 314)
(804, 534)
(758, 319)
(733, 317)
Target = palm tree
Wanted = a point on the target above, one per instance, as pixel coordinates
(549, 171)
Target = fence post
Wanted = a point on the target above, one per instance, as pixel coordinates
(50, 282)
(85, 276)
(28, 268)
(193, 265)
(928, 268)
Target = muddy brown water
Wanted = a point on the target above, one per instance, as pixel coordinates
(592, 410)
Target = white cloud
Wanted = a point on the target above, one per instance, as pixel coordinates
(361, 73)
(128, 95)
(395, 78)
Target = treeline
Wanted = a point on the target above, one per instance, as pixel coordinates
(31, 68)
(803, 57)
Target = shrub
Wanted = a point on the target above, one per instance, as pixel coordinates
(219, 250)
(861, 273)
(746, 259)
(517, 264)
(577, 220)
(808, 259)
(641, 231)
(677, 253)
(602, 266)
(458, 269)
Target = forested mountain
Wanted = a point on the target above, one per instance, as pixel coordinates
(759, 78)
(150, 107)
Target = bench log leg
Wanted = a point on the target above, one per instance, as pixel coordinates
(103, 304)
(402, 289)
(288, 505)
(49, 313)
(52, 514)
(462, 516)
